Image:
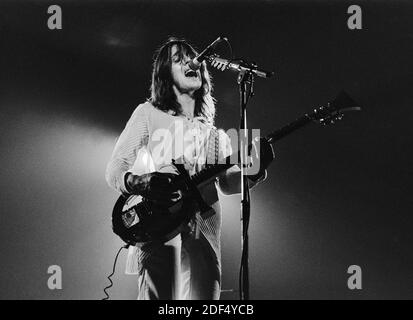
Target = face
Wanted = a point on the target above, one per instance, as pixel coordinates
(185, 80)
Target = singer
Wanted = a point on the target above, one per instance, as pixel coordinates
(189, 265)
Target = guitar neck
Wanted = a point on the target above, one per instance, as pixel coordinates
(324, 114)
(289, 128)
(213, 170)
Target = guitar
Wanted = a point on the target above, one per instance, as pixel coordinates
(137, 221)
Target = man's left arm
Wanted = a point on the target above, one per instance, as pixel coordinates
(261, 155)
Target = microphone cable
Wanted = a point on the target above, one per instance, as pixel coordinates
(113, 272)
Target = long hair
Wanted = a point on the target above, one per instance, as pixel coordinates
(162, 95)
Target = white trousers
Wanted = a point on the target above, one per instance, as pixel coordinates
(184, 268)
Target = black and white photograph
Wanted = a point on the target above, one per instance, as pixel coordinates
(233, 150)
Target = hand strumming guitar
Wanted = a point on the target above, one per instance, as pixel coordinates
(155, 186)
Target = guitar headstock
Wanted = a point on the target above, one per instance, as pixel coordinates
(334, 111)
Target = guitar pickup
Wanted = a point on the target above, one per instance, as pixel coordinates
(130, 217)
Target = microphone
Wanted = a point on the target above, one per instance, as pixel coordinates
(239, 66)
(196, 62)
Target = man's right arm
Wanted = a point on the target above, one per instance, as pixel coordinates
(155, 186)
(133, 137)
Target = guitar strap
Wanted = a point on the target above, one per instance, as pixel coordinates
(216, 146)
(213, 147)
(211, 158)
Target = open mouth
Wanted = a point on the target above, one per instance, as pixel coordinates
(191, 73)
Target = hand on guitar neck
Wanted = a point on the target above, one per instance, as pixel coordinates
(262, 154)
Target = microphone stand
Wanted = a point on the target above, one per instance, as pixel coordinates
(246, 73)
(246, 86)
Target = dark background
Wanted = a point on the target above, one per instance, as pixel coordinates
(336, 196)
